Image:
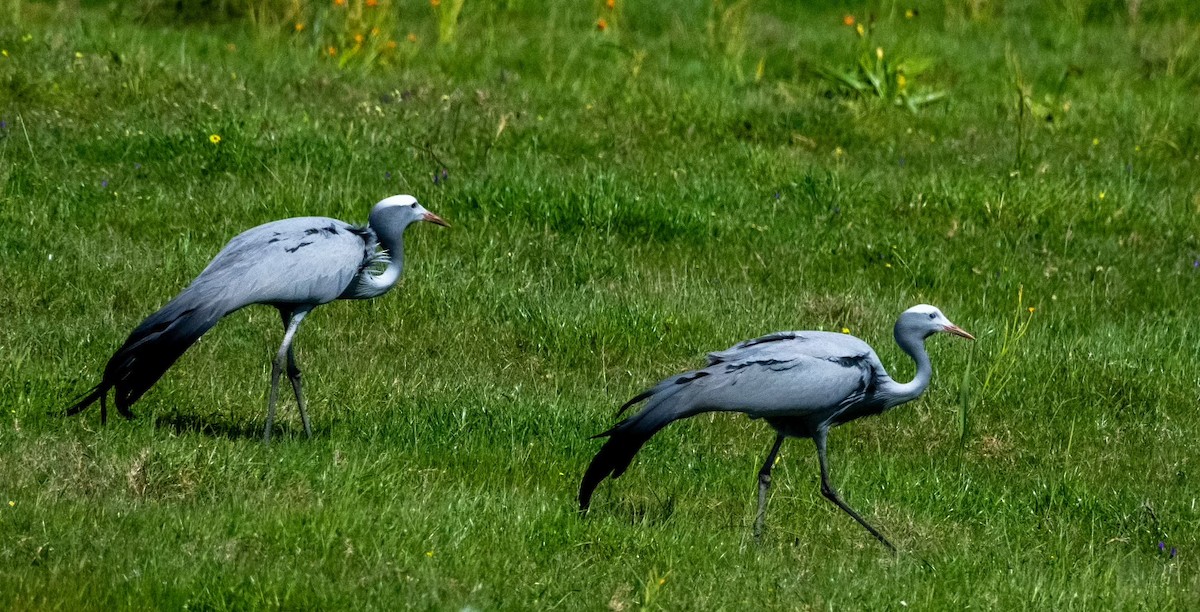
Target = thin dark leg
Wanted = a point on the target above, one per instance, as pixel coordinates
(294, 375)
(277, 368)
(832, 495)
(293, 372)
(104, 408)
(764, 483)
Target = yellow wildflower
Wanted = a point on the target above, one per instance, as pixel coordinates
(299, 27)
(860, 29)
(1031, 309)
(412, 38)
(214, 138)
(332, 50)
(845, 330)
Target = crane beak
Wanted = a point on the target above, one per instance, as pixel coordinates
(436, 220)
(957, 331)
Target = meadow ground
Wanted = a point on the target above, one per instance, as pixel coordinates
(623, 200)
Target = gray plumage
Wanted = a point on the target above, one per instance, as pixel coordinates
(294, 265)
(801, 383)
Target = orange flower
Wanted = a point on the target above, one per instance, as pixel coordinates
(339, 2)
(601, 24)
(412, 38)
(435, 3)
(610, 4)
(391, 44)
(358, 38)
(332, 51)
(848, 20)
(372, 3)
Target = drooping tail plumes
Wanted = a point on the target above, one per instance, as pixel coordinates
(668, 403)
(151, 349)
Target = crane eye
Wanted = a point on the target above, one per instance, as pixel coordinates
(933, 315)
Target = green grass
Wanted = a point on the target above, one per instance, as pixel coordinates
(622, 202)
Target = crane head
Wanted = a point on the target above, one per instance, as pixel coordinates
(398, 211)
(925, 320)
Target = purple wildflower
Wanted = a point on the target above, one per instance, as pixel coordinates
(3, 124)
(1162, 546)
(104, 184)
(1196, 263)
(1173, 551)
(777, 196)
(387, 175)
(137, 166)
(903, 162)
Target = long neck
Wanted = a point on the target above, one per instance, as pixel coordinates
(899, 393)
(372, 283)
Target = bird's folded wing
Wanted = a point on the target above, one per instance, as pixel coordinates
(784, 386)
(301, 260)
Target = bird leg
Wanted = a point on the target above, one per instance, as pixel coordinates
(293, 320)
(294, 375)
(832, 495)
(764, 483)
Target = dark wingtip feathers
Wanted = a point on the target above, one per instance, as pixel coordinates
(627, 405)
(626, 438)
(87, 399)
(97, 393)
(149, 352)
(612, 460)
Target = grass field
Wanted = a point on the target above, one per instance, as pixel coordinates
(623, 200)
